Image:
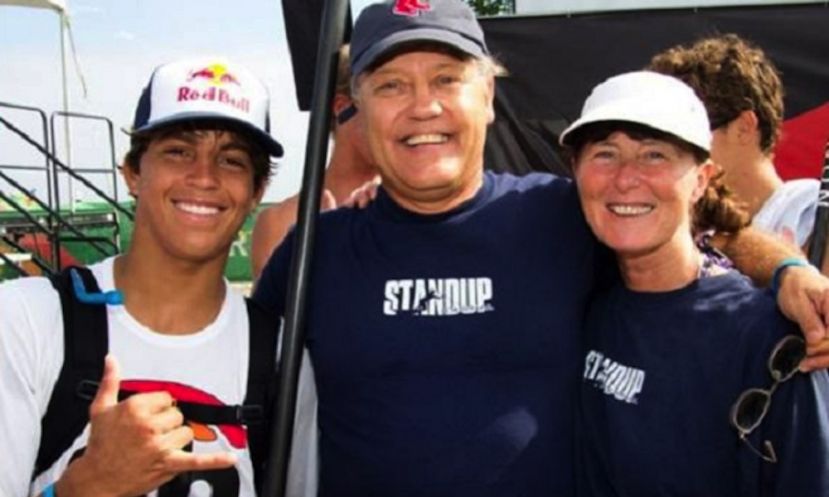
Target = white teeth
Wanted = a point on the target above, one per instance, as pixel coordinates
(432, 138)
(630, 210)
(202, 210)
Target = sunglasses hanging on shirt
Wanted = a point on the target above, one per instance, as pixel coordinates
(752, 405)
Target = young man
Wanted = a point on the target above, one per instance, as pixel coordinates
(743, 95)
(198, 165)
(444, 318)
(349, 168)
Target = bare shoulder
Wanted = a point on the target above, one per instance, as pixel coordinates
(277, 217)
(270, 228)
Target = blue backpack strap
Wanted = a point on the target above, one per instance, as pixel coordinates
(85, 338)
(262, 385)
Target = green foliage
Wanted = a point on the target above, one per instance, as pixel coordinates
(492, 7)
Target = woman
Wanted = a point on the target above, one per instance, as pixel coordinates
(673, 345)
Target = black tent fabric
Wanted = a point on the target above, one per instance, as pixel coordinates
(554, 61)
(302, 27)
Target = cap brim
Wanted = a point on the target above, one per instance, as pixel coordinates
(622, 111)
(270, 145)
(449, 38)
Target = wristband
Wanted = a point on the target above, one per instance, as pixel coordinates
(49, 491)
(778, 271)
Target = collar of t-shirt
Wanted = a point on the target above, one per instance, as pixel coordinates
(385, 207)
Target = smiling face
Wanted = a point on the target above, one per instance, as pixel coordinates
(637, 194)
(194, 189)
(425, 115)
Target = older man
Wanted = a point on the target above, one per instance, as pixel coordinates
(444, 318)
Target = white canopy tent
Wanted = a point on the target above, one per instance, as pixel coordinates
(56, 5)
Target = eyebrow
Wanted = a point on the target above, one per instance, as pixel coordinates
(384, 69)
(186, 136)
(450, 65)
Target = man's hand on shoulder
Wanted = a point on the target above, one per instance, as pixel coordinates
(363, 194)
(804, 298)
(134, 446)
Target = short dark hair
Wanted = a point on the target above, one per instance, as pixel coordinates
(140, 142)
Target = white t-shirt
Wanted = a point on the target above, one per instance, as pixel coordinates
(790, 211)
(212, 363)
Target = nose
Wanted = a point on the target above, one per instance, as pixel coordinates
(426, 104)
(627, 175)
(204, 171)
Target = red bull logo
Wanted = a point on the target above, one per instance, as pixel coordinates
(220, 83)
(235, 434)
(411, 8)
(213, 94)
(216, 74)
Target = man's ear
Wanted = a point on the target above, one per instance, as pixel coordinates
(257, 196)
(131, 177)
(490, 85)
(747, 127)
(341, 102)
(705, 172)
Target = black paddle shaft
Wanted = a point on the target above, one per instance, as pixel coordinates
(293, 333)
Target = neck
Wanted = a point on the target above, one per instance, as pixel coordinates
(171, 297)
(347, 171)
(667, 268)
(753, 181)
(438, 202)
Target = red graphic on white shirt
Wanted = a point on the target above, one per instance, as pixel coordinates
(235, 434)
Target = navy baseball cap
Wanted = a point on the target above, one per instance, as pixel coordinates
(385, 25)
(202, 89)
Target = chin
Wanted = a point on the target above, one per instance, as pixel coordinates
(626, 246)
(433, 177)
(201, 251)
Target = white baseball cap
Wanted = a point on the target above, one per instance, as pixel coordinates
(655, 100)
(207, 88)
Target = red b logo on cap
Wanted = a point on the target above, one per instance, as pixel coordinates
(411, 7)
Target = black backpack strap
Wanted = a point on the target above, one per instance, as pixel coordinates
(85, 346)
(85, 338)
(207, 414)
(262, 385)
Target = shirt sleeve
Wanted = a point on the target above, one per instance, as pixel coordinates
(31, 355)
(798, 428)
(271, 289)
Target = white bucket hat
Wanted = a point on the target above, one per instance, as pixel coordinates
(655, 100)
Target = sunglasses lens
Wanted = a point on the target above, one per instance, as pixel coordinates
(750, 409)
(786, 358)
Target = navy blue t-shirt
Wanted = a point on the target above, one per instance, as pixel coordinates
(446, 347)
(661, 372)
